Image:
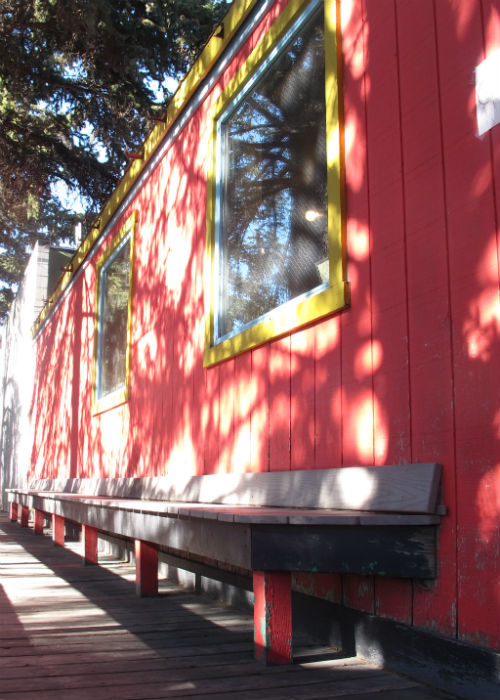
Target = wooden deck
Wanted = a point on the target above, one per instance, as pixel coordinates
(72, 632)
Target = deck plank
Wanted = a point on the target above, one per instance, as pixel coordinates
(71, 632)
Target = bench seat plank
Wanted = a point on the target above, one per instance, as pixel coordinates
(242, 514)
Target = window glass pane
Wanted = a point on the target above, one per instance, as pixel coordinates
(273, 236)
(115, 282)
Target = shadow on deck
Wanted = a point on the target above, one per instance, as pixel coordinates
(74, 632)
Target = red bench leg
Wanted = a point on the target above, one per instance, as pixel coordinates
(89, 539)
(273, 616)
(146, 568)
(58, 529)
(13, 512)
(38, 524)
(25, 516)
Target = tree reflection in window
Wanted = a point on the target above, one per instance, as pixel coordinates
(273, 237)
(113, 330)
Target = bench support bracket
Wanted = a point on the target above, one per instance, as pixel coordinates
(273, 616)
(38, 522)
(13, 512)
(58, 527)
(146, 568)
(89, 543)
(25, 516)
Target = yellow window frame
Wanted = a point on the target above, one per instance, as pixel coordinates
(122, 394)
(301, 311)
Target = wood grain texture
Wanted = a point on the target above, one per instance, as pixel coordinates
(356, 325)
(259, 393)
(431, 369)
(302, 399)
(211, 420)
(327, 399)
(389, 347)
(473, 274)
(241, 455)
(358, 591)
(279, 405)
(393, 488)
(226, 422)
(273, 617)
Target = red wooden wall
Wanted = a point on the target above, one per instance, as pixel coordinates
(410, 373)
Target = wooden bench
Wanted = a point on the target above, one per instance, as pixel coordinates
(365, 520)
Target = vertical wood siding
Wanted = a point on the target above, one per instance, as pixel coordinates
(410, 373)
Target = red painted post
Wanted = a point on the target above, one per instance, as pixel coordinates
(273, 616)
(25, 516)
(58, 529)
(13, 512)
(38, 524)
(146, 568)
(89, 541)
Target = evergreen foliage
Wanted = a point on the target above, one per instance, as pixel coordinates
(77, 83)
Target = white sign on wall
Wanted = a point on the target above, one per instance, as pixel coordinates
(488, 92)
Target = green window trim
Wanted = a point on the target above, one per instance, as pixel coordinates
(104, 400)
(333, 295)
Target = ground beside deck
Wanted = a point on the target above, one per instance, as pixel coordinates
(70, 632)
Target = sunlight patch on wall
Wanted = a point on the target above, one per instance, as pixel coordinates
(242, 449)
(364, 427)
(481, 329)
(368, 358)
(114, 429)
(352, 40)
(359, 240)
(481, 183)
(189, 355)
(182, 459)
(178, 261)
(488, 503)
(354, 152)
(463, 15)
(329, 338)
(146, 352)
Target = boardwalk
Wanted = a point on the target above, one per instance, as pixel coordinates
(71, 632)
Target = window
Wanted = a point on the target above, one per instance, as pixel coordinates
(274, 221)
(113, 320)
